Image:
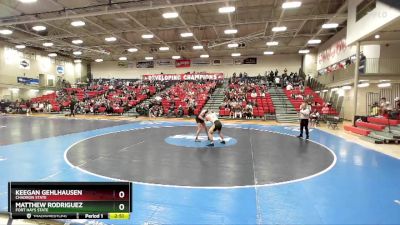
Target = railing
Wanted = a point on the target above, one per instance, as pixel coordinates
(383, 65)
(372, 66)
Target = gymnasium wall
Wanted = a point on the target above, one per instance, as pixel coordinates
(109, 69)
(390, 50)
(39, 63)
(348, 101)
(310, 64)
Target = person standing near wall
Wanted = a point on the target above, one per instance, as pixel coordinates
(304, 116)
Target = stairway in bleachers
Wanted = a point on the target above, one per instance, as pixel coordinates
(285, 112)
(216, 99)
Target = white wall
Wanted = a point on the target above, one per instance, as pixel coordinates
(40, 63)
(310, 64)
(382, 15)
(111, 69)
(391, 50)
(348, 101)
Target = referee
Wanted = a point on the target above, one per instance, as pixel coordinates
(304, 116)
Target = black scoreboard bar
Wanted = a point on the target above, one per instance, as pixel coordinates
(69, 200)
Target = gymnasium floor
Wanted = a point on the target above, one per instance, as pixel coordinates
(263, 175)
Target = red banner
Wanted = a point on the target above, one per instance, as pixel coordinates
(190, 76)
(182, 63)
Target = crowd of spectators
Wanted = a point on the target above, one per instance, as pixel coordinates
(185, 98)
(245, 95)
(19, 106)
(110, 96)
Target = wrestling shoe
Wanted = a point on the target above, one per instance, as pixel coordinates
(210, 145)
(223, 142)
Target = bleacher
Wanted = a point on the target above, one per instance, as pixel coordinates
(316, 99)
(116, 97)
(180, 91)
(264, 103)
(377, 130)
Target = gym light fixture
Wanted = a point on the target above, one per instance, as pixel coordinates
(291, 5)
(362, 85)
(226, 9)
(384, 85)
(314, 41)
(187, 34)
(230, 31)
(147, 36)
(233, 45)
(170, 15)
(304, 51)
(78, 23)
(77, 41)
(279, 29)
(272, 43)
(132, 50)
(329, 25)
(110, 39)
(164, 48)
(48, 44)
(6, 32)
(27, 1)
(198, 47)
(39, 28)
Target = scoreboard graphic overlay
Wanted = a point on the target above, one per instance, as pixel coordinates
(70, 200)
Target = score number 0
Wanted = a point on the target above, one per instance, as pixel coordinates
(121, 194)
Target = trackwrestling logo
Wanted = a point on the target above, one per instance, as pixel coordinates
(187, 140)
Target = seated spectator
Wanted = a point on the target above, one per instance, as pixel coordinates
(237, 111)
(253, 94)
(325, 111)
(289, 87)
(158, 98)
(388, 110)
(180, 111)
(314, 118)
(375, 109)
(248, 111)
(382, 105)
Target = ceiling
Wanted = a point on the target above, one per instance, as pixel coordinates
(390, 33)
(129, 20)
